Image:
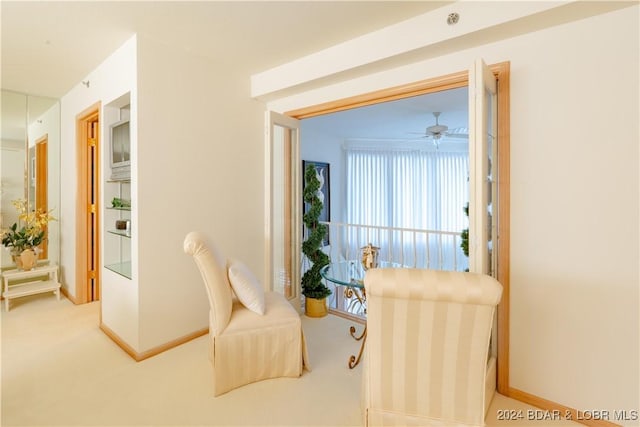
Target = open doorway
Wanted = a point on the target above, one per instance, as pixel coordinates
(399, 181)
(87, 208)
(452, 81)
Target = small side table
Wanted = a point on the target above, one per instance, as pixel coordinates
(51, 284)
(350, 274)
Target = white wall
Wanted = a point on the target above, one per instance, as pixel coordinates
(200, 167)
(197, 150)
(574, 253)
(114, 77)
(325, 148)
(574, 201)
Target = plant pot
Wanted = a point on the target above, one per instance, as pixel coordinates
(315, 307)
(25, 260)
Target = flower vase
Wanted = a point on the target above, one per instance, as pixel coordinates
(15, 257)
(25, 260)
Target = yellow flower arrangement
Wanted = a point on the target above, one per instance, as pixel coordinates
(30, 230)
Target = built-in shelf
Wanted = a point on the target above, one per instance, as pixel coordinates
(117, 245)
(122, 233)
(122, 268)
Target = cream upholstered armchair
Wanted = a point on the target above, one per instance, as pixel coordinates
(254, 335)
(427, 346)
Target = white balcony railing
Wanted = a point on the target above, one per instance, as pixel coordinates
(436, 250)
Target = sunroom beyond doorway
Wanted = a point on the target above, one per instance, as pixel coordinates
(438, 84)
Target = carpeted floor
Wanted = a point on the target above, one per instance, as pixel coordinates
(59, 369)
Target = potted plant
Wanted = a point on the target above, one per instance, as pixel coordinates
(24, 236)
(313, 288)
(464, 236)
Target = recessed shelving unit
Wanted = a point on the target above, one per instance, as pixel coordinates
(122, 268)
(117, 188)
(121, 233)
(118, 251)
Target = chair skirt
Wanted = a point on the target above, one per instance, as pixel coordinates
(254, 347)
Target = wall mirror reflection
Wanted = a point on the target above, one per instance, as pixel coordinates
(30, 166)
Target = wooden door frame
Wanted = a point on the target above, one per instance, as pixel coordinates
(451, 81)
(91, 114)
(42, 184)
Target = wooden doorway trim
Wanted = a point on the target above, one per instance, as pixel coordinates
(438, 84)
(87, 205)
(502, 73)
(42, 185)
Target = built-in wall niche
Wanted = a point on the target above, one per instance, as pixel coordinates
(117, 119)
(118, 220)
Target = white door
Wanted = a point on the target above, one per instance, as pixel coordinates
(483, 145)
(483, 175)
(282, 195)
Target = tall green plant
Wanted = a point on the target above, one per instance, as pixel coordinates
(312, 285)
(464, 236)
(464, 241)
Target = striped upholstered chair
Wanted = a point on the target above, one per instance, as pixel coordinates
(254, 335)
(427, 347)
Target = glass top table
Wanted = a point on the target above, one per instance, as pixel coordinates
(351, 275)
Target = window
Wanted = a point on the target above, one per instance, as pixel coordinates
(405, 191)
(408, 189)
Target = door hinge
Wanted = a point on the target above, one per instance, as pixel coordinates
(92, 209)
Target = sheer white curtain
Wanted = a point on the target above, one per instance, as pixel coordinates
(425, 190)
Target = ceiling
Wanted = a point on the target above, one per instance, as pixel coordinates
(50, 46)
(401, 121)
(47, 47)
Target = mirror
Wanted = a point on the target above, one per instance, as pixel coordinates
(30, 163)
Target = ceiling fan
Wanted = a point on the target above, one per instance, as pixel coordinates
(437, 131)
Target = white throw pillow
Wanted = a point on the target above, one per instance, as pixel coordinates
(246, 287)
